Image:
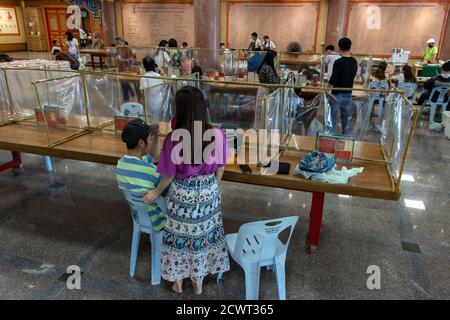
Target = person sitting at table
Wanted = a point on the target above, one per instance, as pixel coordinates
(56, 46)
(309, 71)
(266, 71)
(441, 80)
(65, 56)
(153, 90)
(136, 171)
(378, 75)
(430, 52)
(406, 75)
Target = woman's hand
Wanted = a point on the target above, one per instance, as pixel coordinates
(151, 196)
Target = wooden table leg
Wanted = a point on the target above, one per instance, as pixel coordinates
(14, 164)
(92, 62)
(101, 62)
(315, 221)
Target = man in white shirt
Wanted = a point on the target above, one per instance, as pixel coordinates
(153, 90)
(330, 57)
(255, 43)
(83, 37)
(268, 44)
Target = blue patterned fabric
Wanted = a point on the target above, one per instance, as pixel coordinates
(193, 240)
(318, 162)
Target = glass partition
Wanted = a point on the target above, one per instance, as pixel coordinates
(88, 100)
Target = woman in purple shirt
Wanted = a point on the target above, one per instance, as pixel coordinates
(192, 163)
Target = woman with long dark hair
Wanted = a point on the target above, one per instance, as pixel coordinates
(193, 241)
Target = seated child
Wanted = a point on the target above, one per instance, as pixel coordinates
(56, 46)
(136, 171)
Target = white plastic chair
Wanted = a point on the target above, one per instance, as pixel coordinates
(377, 85)
(442, 92)
(409, 88)
(257, 245)
(142, 224)
(132, 109)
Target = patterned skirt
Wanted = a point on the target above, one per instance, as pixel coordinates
(194, 241)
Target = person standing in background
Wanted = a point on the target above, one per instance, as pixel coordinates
(175, 53)
(344, 73)
(98, 42)
(162, 57)
(268, 44)
(255, 43)
(153, 90)
(430, 52)
(330, 57)
(83, 38)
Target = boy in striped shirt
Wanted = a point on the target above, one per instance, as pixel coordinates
(136, 172)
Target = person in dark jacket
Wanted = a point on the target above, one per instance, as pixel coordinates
(441, 80)
(65, 56)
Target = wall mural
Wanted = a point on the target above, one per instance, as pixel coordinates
(92, 6)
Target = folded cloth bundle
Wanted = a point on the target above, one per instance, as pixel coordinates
(318, 166)
(318, 162)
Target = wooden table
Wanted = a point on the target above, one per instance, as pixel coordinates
(100, 53)
(107, 147)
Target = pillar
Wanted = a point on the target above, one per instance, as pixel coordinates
(109, 22)
(207, 30)
(207, 23)
(336, 22)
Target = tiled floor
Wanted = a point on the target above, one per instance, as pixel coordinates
(77, 216)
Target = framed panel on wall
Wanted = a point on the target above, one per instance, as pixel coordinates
(145, 24)
(282, 22)
(8, 21)
(376, 27)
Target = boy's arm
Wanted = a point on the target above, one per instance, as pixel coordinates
(154, 194)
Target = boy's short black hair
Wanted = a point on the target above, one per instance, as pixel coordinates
(254, 34)
(329, 47)
(54, 41)
(266, 37)
(446, 66)
(345, 44)
(56, 51)
(136, 130)
(185, 44)
(149, 64)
